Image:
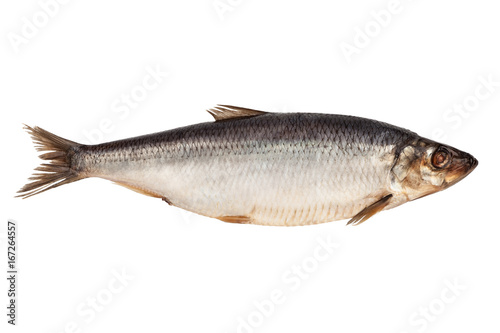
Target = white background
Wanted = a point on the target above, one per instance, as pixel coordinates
(196, 274)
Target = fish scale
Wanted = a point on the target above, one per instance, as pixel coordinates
(263, 168)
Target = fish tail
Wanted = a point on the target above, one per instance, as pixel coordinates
(58, 170)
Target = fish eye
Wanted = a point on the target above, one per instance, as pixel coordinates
(440, 158)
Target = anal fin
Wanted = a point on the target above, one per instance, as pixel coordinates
(235, 219)
(141, 190)
(369, 211)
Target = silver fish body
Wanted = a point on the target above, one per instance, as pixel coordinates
(283, 169)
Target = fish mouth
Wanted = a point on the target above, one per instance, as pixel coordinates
(461, 167)
(473, 163)
(469, 163)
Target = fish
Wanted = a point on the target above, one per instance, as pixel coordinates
(264, 168)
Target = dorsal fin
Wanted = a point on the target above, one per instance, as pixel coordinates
(225, 112)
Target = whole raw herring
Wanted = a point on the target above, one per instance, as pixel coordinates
(257, 167)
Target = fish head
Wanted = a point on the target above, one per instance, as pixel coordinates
(424, 167)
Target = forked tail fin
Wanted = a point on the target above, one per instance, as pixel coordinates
(55, 173)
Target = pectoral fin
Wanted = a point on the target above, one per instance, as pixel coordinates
(369, 211)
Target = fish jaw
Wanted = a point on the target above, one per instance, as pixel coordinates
(463, 164)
